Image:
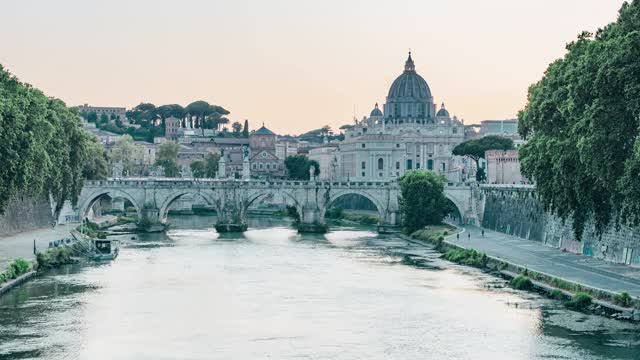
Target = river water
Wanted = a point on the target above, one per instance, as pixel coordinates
(271, 293)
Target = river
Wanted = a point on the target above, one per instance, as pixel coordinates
(191, 293)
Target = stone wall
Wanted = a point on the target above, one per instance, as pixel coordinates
(518, 212)
(24, 214)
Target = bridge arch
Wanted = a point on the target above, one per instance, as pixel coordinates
(455, 203)
(255, 195)
(338, 194)
(175, 195)
(88, 201)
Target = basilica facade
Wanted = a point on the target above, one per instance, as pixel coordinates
(409, 132)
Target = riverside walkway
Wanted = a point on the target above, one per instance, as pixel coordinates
(579, 269)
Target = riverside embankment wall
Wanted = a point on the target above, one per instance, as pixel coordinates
(517, 211)
(25, 214)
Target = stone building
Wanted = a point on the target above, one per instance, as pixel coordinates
(114, 113)
(172, 126)
(325, 155)
(503, 167)
(411, 133)
(264, 160)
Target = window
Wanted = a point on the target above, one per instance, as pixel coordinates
(264, 154)
(429, 164)
(397, 145)
(260, 166)
(409, 164)
(364, 165)
(364, 146)
(363, 174)
(397, 165)
(380, 164)
(417, 165)
(253, 166)
(268, 166)
(275, 166)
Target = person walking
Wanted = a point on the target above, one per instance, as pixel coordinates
(469, 236)
(458, 236)
(482, 232)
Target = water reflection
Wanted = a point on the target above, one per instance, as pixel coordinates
(270, 292)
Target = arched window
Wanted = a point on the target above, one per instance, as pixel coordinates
(380, 164)
(364, 165)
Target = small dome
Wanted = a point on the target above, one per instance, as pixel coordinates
(376, 111)
(443, 111)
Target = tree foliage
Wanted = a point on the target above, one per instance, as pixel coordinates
(167, 157)
(42, 145)
(298, 167)
(476, 148)
(581, 123)
(422, 199)
(130, 154)
(206, 168)
(96, 165)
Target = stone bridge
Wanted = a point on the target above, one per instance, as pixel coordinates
(153, 197)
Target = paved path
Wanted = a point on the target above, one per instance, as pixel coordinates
(541, 258)
(21, 245)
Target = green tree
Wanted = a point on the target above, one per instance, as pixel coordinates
(42, 144)
(476, 148)
(237, 128)
(211, 165)
(92, 117)
(96, 165)
(199, 169)
(200, 109)
(104, 119)
(129, 153)
(167, 157)
(170, 167)
(245, 129)
(581, 124)
(298, 167)
(168, 151)
(422, 199)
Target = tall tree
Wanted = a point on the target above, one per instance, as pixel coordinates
(237, 128)
(476, 148)
(200, 109)
(298, 167)
(42, 145)
(245, 129)
(581, 124)
(422, 199)
(167, 157)
(211, 165)
(129, 153)
(96, 164)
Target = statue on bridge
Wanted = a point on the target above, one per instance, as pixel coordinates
(186, 172)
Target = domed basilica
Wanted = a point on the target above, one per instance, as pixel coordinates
(409, 133)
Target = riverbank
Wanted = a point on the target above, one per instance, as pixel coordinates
(21, 245)
(549, 273)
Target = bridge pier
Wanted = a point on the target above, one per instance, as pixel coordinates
(231, 219)
(151, 221)
(312, 221)
(390, 223)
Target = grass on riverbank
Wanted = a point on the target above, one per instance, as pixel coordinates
(55, 257)
(18, 267)
(92, 230)
(435, 234)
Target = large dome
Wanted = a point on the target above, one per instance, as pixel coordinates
(409, 85)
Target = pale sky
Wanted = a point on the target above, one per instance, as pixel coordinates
(295, 65)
